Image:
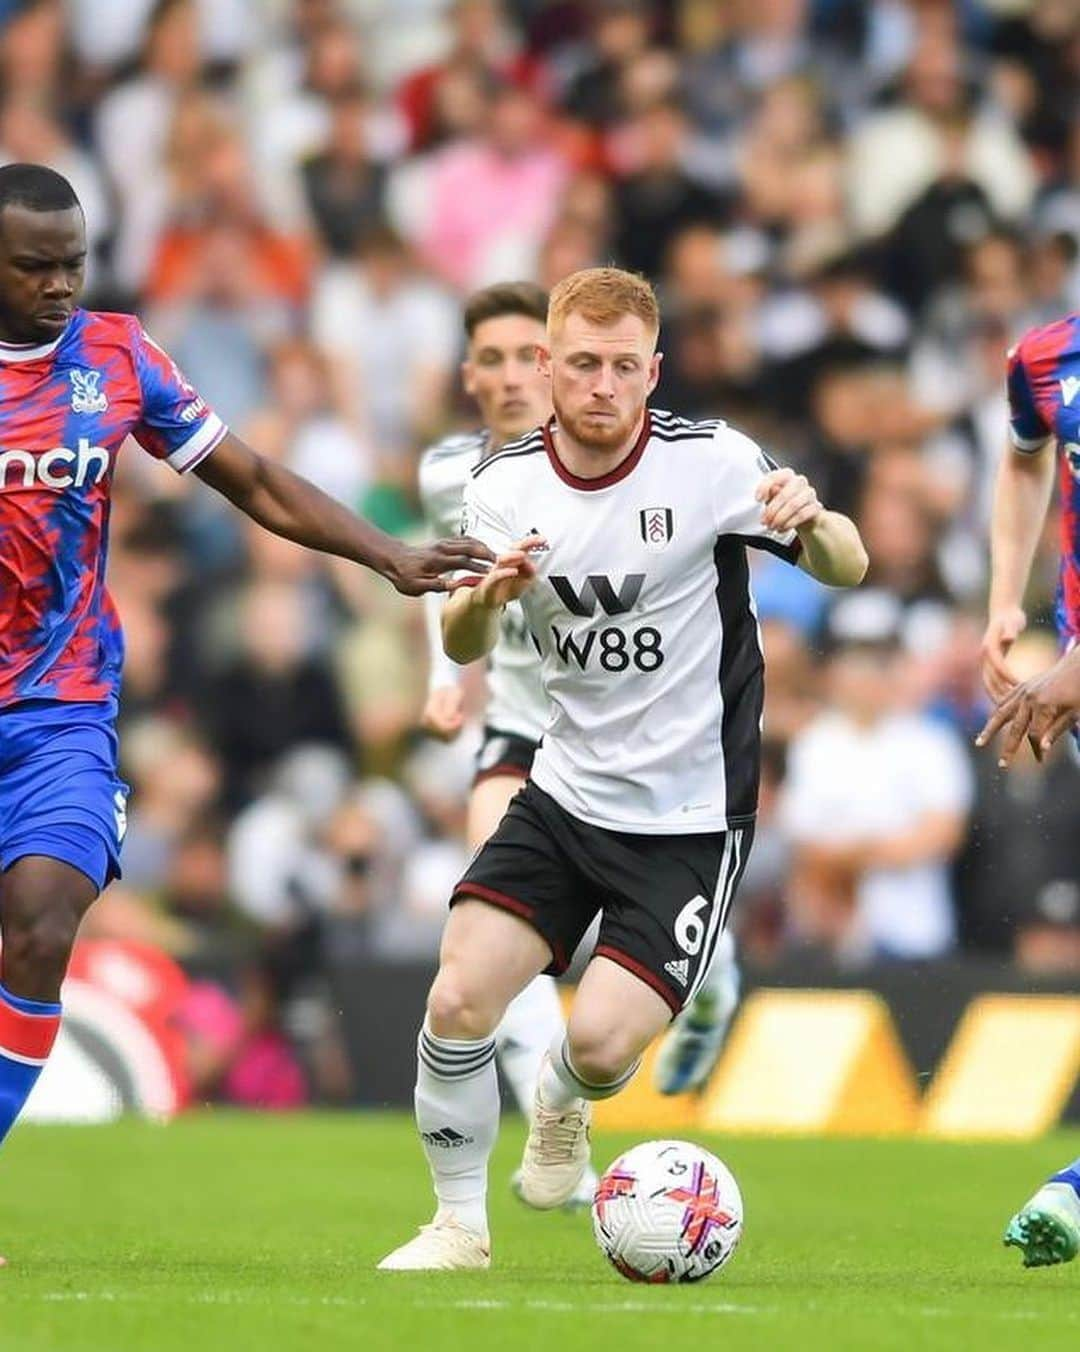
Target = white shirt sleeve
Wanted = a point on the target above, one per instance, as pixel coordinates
(941, 769)
(741, 466)
(483, 516)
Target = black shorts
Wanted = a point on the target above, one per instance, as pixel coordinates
(664, 899)
(503, 753)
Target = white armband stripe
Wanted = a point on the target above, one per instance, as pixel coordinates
(199, 445)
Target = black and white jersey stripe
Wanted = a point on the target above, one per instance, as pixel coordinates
(530, 444)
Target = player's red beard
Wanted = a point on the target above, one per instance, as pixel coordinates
(598, 434)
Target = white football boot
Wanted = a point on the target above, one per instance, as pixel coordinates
(556, 1154)
(443, 1246)
(579, 1199)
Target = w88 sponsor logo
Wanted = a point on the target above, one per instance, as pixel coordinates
(613, 649)
(60, 467)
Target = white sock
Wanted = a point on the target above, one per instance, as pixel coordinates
(561, 1085)
(457, 1112)
(533, 1020)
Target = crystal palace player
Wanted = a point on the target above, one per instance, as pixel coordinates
(73, 386)
(623, 531)
(1044, 411)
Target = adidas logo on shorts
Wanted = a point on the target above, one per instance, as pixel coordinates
(446, 1137)
(679, 969)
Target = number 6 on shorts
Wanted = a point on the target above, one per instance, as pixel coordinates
(689, 926)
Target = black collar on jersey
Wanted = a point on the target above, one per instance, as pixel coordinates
(625, 466)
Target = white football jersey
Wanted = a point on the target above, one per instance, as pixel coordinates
(642, 610)
(516, 700)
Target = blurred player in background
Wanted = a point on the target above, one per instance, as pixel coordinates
(73, 386)
(623, 531)
(1044, 419)
(504, 327)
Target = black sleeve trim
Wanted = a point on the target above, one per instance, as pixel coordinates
(789, 553)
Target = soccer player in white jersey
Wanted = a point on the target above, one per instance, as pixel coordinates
(504, 328)
(623, 531)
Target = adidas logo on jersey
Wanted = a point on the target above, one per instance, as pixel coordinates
(447, 1138)
(29, 469)
(679, 969)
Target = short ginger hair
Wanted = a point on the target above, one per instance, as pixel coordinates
(604, 295)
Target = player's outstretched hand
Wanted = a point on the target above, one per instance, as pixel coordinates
(1004, 629)
(444, 712)
(1040, 710)
(790, 501)
(416, 569)
(511, 575)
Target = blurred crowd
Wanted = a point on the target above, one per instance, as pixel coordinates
(851, 208)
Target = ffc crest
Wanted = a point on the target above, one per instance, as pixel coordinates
(657, 524)
(86, 394)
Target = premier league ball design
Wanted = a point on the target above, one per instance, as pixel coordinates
(667, 1211)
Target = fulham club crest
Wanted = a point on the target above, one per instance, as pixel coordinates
(657, 525)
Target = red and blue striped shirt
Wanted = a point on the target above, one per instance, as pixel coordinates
(66, 408)
(1044, 402)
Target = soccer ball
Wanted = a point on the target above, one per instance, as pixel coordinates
(667, 1211)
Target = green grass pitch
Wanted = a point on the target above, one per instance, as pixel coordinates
(228, 1232)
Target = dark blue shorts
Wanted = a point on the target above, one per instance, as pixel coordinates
(60, 794)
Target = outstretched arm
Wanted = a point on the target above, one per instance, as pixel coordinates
(1040, 710)
(295, 509)
(832, 549)
(1025, 481)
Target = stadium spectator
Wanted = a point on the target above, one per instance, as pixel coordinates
(134, 118)
(302, 424)
(277, 692)
(390, 336)
(344, 186)
(177, 781)
(291, 115)
(220, 320)
(875, 804)
(278, 262)
(619, 31)
(489, 201)
(483, 44)
(656, 197)
(32, 49)
(897, 152)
